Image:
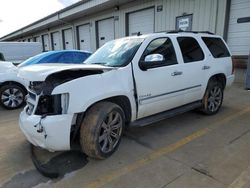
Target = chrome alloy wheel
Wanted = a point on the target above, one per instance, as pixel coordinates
(110, 133)
(214, 99)
(12, 97)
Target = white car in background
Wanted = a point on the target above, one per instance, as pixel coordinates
(12, 88)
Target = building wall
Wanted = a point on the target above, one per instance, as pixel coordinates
(208, 15)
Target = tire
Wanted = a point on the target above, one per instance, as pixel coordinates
(213, 98)
(12, 96)
(101, 130)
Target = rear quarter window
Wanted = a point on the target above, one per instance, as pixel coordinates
(216, 46)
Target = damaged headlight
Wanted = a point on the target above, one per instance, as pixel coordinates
(53, 104)
(36, 87)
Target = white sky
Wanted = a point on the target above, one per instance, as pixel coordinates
(15, 14)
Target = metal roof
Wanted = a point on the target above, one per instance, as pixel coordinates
(74, 11)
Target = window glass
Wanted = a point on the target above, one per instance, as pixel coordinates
(80, 57)
(190, 49)
(164, 47)
(216, 46)
(2, 57)
(116, 53)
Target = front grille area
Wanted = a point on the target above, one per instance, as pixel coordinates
(32, 96)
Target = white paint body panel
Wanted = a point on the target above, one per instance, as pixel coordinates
(156, 89)
(8, 73)
(39, 72)
(106, 31)
(84, 37)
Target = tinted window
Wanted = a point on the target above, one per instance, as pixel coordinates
(164, 47)
(57, 57)
(73, 58)
(2, 57)
(216, 46)
(190, 49)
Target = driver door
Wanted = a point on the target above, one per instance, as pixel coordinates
(158, 78)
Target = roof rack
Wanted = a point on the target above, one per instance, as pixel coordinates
(196, 32)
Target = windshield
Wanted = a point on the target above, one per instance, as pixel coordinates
(115, 53)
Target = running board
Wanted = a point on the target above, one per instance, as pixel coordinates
(164, 115)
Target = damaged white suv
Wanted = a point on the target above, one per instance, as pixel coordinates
(129, 81)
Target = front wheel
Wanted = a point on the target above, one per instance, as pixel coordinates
(12, 96)
(101, 130)
(213, 98)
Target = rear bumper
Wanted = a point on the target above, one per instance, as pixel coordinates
(56, 131)
(230, 80)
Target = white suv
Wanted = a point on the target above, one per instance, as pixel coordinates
(129, 81)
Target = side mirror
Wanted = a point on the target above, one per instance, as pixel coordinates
(154, 58)
(152, 61)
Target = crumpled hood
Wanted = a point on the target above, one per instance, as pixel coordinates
(6, 67)
(40, 72)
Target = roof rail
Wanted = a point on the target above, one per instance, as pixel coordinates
(196, 32)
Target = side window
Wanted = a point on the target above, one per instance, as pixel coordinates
(52, 58)
(190, 49)
(66, 57)
(160, 48)
(79, 57)
(216, 46)
(2, 57)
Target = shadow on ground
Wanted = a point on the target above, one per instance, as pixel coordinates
(62, 164)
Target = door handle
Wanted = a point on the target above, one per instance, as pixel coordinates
(205, 67)
(176, 73)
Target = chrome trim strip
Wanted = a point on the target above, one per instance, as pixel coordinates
(169, 92)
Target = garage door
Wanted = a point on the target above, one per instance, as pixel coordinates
(55, 41)
(68, 39)
(239, 27)
(84, 37)
(106, 31)
(37, 39)
(45, 40)
(141, 21)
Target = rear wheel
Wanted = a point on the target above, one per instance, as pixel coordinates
(101, 130)
(12, 96)
(213, 98)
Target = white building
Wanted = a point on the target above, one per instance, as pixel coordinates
(88, 24)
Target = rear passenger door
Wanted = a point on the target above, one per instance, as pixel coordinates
(220, 60)
(193, 68)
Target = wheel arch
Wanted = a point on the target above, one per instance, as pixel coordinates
(219, 77)
(13, 82)
(122, 101)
